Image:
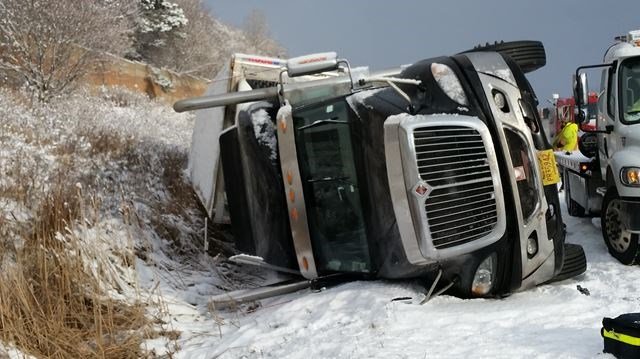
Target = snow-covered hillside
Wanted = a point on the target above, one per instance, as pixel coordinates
(130, 154)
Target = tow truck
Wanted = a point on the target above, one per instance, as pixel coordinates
(603, 177)
(437, 170)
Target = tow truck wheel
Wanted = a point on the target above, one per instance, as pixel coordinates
(529, 55)
(622, 244)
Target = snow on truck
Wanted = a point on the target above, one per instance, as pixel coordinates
(438, 169)
(603, 178)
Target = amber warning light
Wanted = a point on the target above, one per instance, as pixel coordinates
(584, 167)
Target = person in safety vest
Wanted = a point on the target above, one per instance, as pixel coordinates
(567, 138)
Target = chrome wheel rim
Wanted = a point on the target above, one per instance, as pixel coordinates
(618, 235)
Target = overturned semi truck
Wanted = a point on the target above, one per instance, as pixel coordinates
(439, 169)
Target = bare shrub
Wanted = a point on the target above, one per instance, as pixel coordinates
(51, 44)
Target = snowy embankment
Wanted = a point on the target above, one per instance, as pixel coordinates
(95, 211)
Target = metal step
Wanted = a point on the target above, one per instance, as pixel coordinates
(237, 297)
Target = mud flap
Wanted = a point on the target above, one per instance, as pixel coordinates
(574, 263)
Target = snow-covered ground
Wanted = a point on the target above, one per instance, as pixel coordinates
(360, 320)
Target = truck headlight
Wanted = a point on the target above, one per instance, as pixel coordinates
(630, 176)
(532, 245)
(485, 276)
(449, 83)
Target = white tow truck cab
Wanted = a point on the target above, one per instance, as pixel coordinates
(604, 178)
(438, 169)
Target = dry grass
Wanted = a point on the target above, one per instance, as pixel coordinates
(50, 307)
(56, 292)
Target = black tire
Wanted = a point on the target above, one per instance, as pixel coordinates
(529, 55)
(573, 264)
(622, 245)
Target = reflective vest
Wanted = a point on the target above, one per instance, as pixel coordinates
(569, 136)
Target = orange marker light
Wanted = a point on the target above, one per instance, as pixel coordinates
(305, 263)
(289, 177)
(294, 214)
(283, 125)
(292, 196)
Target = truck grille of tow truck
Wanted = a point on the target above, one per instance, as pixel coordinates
(461, 206)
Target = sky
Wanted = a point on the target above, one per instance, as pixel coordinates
(385, 34)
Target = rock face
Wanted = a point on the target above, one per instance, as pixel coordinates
(140, 77)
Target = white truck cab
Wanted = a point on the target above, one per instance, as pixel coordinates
(605, 179)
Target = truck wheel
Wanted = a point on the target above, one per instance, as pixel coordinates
(622, 244)
(574, 262)
(529, 55)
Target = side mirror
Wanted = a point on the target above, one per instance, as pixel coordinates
(581, 90)
(581, 95)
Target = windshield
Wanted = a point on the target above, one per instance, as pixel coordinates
(331, 192)
(630, 90)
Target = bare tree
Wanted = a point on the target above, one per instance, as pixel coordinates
(258, 36)
(51, 44)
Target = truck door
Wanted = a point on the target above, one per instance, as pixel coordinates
(623, 108)
(607, 116)
(330, 184)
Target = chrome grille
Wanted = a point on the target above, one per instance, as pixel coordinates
(461, 206)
